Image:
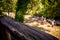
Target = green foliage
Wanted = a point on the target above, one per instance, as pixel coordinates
(47, 8)
(7, 6)
(51, 8)
(19, 16)
(34, 7)
(0, 12)
(21, 7)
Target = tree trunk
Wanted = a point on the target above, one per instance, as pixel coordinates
(0, 12)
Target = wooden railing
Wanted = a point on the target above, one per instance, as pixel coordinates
(21, 31)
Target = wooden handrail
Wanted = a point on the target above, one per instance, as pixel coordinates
(21, 31)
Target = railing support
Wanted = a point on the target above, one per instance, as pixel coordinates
(4, 34)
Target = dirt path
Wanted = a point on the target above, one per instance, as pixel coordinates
(46, 27)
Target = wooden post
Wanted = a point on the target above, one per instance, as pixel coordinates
(8, 36)
(4, 34)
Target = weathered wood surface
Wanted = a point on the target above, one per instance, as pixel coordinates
(23, 32)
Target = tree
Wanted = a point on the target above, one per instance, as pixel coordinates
(1, 4)
(21, 7)
(6, 6)
(40, 7)
(34, 7)
(51, 8)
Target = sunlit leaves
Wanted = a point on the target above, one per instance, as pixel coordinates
(51, 8)
(34, 7)
(6, 5)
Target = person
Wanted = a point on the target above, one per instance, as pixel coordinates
(42, 18)
(53, 23)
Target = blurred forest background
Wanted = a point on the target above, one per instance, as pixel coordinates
(46, 8)
(19, 8)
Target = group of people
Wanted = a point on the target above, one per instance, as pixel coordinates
(52, 21)
(43, 20)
